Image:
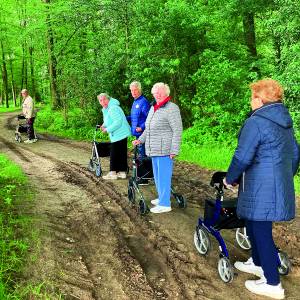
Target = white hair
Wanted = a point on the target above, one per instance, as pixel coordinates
(136, 84)
(160, 85)
(104, 95)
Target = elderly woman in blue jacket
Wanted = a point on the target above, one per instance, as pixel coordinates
(116, 125)
(139, 112)
(264, 164)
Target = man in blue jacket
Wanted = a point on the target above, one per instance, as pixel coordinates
(264, 164)
(139, 112)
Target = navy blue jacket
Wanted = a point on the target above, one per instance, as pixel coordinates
(139, 112)
(264, 163)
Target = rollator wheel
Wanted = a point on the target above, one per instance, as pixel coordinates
(285, 263)
(202, 240)
(143, 207)
(181, 201)
(225, 270)
(131, 192)
(91, 166)
(98, 171)
(242, 238)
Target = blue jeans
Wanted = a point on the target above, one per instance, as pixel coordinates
(162, 171)
(264, 251)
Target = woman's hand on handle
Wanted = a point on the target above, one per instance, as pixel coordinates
(136, 142)
(231, 187)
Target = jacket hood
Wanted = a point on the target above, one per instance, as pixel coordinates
(275, 112)
(112, 102)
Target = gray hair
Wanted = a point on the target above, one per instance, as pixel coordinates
(159, 85)
(104, 95)
(137, 84)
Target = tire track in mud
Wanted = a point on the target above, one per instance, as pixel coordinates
(158, 250)
(134, 281)
(173, 265)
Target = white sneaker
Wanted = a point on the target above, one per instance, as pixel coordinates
(122, 175)
(110, 176)
(29, 141)
(249, 267)
(160, 209)
(260, 287)
(155, 201)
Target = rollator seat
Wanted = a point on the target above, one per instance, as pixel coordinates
(103, 148)
(228, 218)
(144, 168)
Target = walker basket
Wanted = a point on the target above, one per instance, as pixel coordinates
(22, 128)
(103, 148)
(227, 219)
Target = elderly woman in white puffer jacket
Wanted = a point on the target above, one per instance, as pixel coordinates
(162, 138)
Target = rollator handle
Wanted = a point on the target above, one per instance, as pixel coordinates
(217, 180)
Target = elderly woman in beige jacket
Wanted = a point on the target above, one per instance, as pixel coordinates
(29, 114)
(162, 138)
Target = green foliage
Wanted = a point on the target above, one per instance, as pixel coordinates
(75, 124)
(13, 247)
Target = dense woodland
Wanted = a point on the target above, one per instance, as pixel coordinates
(65, 52)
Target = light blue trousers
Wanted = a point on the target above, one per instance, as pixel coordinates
(162, 171)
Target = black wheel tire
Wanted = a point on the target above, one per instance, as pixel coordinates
(98, 171)
(143, 208)
(285, 263)
(131, 192)
(181, 201)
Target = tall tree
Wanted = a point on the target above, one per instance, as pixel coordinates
(52, 62)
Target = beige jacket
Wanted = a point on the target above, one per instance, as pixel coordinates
(28, 108)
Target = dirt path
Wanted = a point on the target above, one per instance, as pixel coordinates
(94, 245)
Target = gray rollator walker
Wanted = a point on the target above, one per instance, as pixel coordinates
(99, 149)
(142, 173)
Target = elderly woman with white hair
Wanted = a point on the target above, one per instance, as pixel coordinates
(162, 137)
(116, 125)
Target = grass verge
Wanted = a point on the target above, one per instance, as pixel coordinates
(17, 233)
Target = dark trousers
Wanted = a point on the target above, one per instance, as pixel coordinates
(141, 151)
(118, 156)
(30, 130)
(264, 251)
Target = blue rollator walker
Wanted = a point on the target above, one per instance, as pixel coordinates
(99, 149)
(142, 174)
(218, 215)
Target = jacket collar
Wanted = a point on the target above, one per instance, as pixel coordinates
(267, 104)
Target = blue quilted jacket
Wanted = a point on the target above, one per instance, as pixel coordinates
(139, 112)
(264, 163)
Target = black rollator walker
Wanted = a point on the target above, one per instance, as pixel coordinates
(22, 127)
(142, 173)
(99, 149)
(220, 214)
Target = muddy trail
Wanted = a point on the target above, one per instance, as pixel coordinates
(94, 245)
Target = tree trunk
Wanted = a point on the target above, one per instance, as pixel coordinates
(277, 47)
(4, 77)
(249, 32)
(33, 88)
(13, 86)
(23, 70)
(56, 103)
